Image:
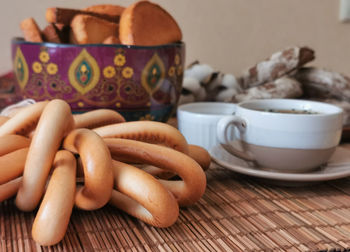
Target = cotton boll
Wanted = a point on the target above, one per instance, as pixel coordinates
(199, 72)
(214, 83)
(186, 98)
(230, 81)
(191, 84)
(226, 95)
(201, 95)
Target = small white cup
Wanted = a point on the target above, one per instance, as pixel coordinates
(287, 142)
(197, 121)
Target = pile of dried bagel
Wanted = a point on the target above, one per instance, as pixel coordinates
(53, 160)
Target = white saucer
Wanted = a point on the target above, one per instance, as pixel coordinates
(337, 167)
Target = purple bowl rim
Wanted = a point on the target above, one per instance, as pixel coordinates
(19, 40)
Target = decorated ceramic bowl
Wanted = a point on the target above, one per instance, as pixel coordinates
(142, 83)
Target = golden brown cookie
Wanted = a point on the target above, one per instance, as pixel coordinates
(56, 33)
(87, 29)
(60, 15)
(106, 9)
(111, 40)
(50, 34)
(145, 23)
(63, 32)
(65, 16)
(31, 30)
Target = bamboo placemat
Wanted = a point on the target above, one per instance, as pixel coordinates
(236, 213)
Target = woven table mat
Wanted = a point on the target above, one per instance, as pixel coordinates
(235, 214)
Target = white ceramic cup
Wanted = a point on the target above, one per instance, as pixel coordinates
(287, 142)
(197, 121)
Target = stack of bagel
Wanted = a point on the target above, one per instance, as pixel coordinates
(53, 160)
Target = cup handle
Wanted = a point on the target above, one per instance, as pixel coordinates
(222, 135)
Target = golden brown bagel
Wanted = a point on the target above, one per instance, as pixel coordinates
(3, 119)
(97, 165)
(55, 122)
(188, 190)
(97, 118)
(52, 218)
(157, 172)
(146, 131)
(142, 196)
(9, 189)
(24, 121)
(200, 155)
(12, 165)
(10, 143)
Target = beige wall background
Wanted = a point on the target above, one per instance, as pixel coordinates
(229, 35)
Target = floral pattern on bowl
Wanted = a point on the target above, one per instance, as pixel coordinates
(142, 83)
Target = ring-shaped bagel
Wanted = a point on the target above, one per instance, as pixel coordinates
(188, 190)
(12, 165)
(199, 154)
(3, 119)
(10, 143)
(51, 221)
(9, 189)
(146, 131)
(97, 118)
(55, 122)
(143, 196)
(24, 121)
(97, 164)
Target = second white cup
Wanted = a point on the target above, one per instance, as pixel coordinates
(198, 121)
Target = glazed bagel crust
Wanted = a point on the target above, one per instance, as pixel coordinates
(187, 191)
(3, 119)
(157, 172)
(200, 155)
(97, 165)
(142, 196)
(12, 165)
(10, 143)
(55, 122)
(97, 118)
(51, 221)
(9, 189)
(146, 131)
(24, 121)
